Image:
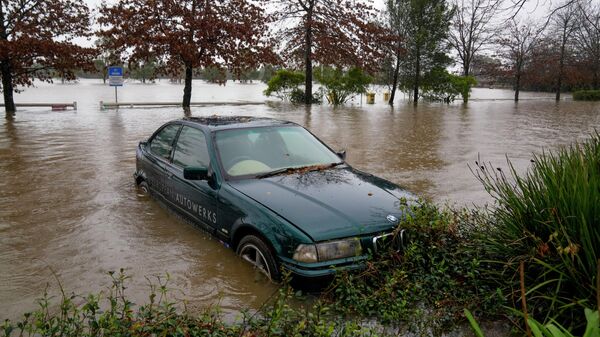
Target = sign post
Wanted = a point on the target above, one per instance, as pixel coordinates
(115, 79)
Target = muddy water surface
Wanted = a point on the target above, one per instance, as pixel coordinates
(68, 205)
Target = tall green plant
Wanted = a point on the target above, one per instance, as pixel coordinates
(440, 85)
(550, 217)
(554, 329)
(422, 27)
(285, 85)
(340, 86)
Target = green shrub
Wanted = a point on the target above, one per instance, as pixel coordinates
(439, 85)
(285, 85)
(549, 218)
(586, 95)
(111, 313)
(340, 86)
(440, 272)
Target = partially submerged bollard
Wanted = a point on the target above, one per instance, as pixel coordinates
(370, 98)
(58, 107)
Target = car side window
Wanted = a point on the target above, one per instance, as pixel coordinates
(162, 144)
(191, 149)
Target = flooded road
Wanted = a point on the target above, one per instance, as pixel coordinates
(69, 207)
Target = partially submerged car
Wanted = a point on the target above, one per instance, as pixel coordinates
(272, 191)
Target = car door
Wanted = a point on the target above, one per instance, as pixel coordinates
(195, 198)
(159, 150)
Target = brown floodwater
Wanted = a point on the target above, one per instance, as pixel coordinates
(69, 209)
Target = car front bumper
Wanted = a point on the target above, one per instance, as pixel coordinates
(370, 244)
(325, 268)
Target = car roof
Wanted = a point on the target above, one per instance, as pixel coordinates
(214, 123)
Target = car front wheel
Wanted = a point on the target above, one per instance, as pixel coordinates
(143, 188)
(255, 250)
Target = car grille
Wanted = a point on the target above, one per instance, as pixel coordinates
(391, 241)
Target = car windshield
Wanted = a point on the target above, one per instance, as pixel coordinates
(261, 150)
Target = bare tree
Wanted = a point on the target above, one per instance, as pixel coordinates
(563, 27)
(516, 45)
(471, 29)
(587, 39)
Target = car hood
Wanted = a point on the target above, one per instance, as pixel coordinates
(329, 204)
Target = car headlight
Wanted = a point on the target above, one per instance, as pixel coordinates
(328, 250)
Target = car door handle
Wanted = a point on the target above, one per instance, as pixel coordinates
(170, 175)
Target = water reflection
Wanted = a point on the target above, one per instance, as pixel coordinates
(68, 204)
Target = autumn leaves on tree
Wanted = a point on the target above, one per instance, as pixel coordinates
(409, 40)
(36, 42)
(186, 36)
(329, 32)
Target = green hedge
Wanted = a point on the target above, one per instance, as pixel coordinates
(586, 95)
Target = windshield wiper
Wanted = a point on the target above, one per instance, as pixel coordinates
(295, 169)
(274, 173)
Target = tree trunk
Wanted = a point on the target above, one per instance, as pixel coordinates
(561, 65)
(6, 72)
(396, 72)
(7, 89)
(560, 74)
(517, 85)
(308, 71)
(187, 89)
(417, 77)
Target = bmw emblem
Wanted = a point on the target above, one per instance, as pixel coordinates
(392, 218)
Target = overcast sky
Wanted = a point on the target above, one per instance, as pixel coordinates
(534, 9)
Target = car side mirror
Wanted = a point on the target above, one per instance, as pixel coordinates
(342, 154)
(195, 173)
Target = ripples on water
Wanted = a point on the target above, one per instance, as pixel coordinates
(68, 203)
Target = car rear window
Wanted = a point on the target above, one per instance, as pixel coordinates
(162, 143)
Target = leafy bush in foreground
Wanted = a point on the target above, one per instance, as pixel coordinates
(111, 313)
(550, 219)
(441, 271)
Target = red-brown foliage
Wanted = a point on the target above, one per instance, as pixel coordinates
(36, 39)
(188, 34)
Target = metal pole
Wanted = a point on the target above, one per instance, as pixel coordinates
(116, 97)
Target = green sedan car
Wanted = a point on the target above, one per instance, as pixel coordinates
(272, 191)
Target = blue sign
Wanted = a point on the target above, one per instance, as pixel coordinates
(115, 76)
(115, 71)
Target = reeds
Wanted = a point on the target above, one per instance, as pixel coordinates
(550, 217)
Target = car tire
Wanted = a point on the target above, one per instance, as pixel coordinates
(143, 188)
(255, 251)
